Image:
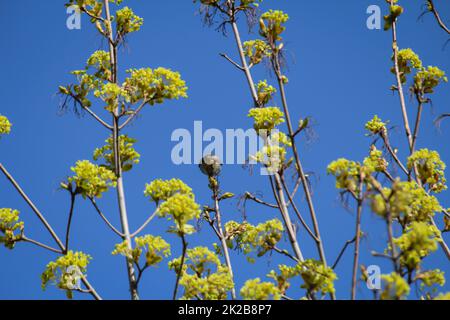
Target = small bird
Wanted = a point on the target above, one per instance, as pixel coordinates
(210, 165)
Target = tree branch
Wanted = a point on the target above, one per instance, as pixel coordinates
(109, 224)
(357, 238)
(439, 20)
(92, 113)
(43, 246)
(183, 258)
(32, 206)
(223, 55)
(69, 222)
(393, 154)
(341, 254)
(252, 197)
(146, 223)
(134, 115)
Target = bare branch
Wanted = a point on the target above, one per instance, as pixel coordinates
(92, 113)
(32, 206)
(180, 271)
(439, 20)
(69, 223)
(252, 197)
(285, 253)
(134, 115)
(44, 246)
(394, 154)
(146, 223)
(109, 224)
(341, 254)
(299, 216)
(232, 61)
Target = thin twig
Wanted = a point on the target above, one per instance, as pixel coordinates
(252, 197)
(393, 154)
(134, 115)
(296, 187)
(92, 113)
(357, 238)
(44, 246)
(277, 68)
(69, 222)
(223, 238)
(417, 126)
(442, 243)
(439, 20)
(300, 217)
(399, 81)
(183, 258)
(91, 289)
(341, 254)
(146, 223)
(109, 224)
(285, 253)
(32, 206)
(234, 63)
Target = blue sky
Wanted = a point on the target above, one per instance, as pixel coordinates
(339, 75)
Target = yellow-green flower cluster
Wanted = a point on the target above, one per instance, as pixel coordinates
(100, 61)
(265, 92)
(9, 224)
(394, 12)
(154, 248)
(431, 278)
(395, 287)
(161, 190)
(91, 180)
(407, 61)
(65, 271)
(376, 126)
(143, 85)
(426, 80)
(5, 125)
(203, 276)
(181, 209)
(272, 25)
(431, 169)
(111, 93)
(443, 296)
(317, 278)
(92, 7)
(127, 21)
(261, 238)
(256, 50)
(256, 290)
(283, 276)
(155, 86)
(128, 155)
(347, 174)
(266, 119)
(273, 154)
(419, 241)
(407, 201)
(178, 203)
(375, 162)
